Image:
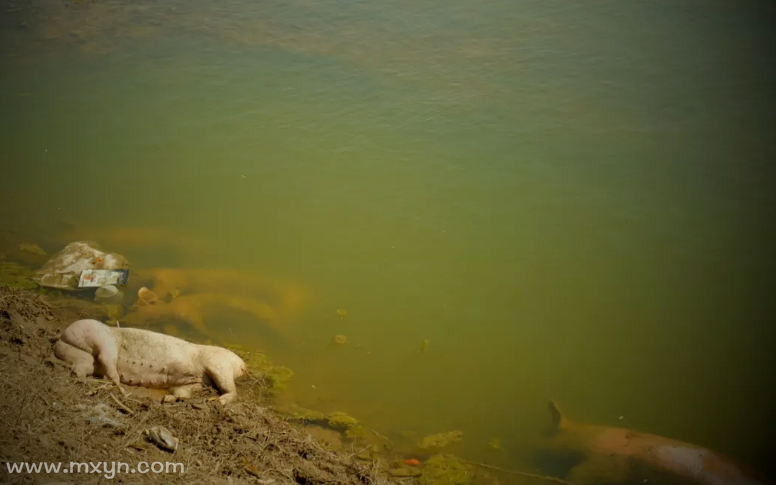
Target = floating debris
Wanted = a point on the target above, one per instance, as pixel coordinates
(424, 346)
(146, 297)
(108, 294)
(342, 313)
(95, 278)
(340, 340)
(72, 268)
(494, 444)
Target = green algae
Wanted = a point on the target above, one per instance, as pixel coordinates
(114, 311)
(337, 420)
(404, 471)
(345, 423)
(341, 420)
(444, 470)
(299, 413)
(275, 377)
(32, 249)
(15, 275)
(440, 440)
(354, 432)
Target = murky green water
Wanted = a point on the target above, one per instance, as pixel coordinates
(568, 201)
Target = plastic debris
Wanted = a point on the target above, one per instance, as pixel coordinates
(146, 297)
(108, 294)
(102, 415)
(104, 421)
(63, 270)
(91, 278)
(161, 437)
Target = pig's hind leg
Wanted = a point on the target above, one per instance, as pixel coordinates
(223, 378)
(81, 363)
(108, 358)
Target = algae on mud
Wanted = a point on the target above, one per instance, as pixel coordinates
(341, 420)
(15, 275)
(445, 470)
(349, 426)
(274, 377)
(115, 311)
(32, 249)
(440, 440)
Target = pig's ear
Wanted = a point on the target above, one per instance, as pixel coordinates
(558, 419)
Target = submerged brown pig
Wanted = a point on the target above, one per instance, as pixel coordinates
(148, 359)
(620, 455)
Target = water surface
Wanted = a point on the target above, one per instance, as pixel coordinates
(568, 201)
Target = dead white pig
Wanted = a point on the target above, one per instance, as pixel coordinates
(148, 359)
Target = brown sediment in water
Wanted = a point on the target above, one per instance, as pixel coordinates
(45, 417)
(287, 297)
(193, 308)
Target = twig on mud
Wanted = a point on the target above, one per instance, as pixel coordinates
(378, 434)
(122, 405)
(133, 431)
(356, 453)
(43, 398)
(513, 472)
(134, 400)
(97, 389)
(374, 473)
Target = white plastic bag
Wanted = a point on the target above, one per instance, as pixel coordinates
(64, 269)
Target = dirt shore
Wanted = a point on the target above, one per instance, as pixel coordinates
(48, 415)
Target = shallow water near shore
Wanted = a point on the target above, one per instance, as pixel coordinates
(567, 202)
